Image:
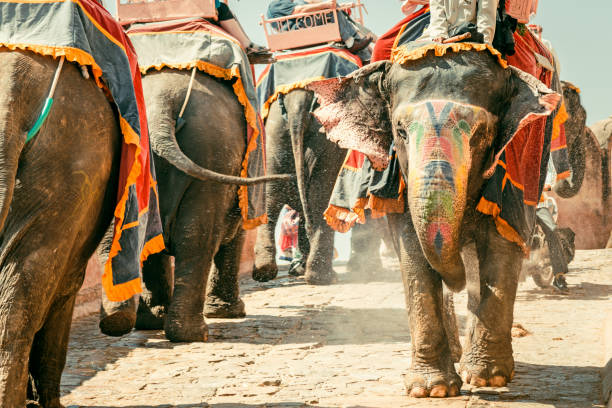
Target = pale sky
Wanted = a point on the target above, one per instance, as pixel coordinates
(580, 32)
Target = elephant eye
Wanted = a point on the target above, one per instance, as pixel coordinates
(401, 132)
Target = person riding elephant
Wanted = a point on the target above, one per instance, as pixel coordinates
(449, 117)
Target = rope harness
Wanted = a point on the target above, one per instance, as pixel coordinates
(48, 103)
(180, 122)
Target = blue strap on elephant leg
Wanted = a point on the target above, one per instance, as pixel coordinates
(48, 103)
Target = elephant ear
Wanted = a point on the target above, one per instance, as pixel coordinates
(531, 100)
(354, 112)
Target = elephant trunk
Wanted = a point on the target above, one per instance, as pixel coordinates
(568, 188)
(165, 145)
(299, 118)
(437, 214)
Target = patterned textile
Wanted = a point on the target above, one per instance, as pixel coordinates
(189, 43)
(409, 29)
(296, 69)
(85, 33)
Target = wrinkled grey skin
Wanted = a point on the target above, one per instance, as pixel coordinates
(375, 98)
(57, 196)
(294, 144)
(201, 219)
(574, 133)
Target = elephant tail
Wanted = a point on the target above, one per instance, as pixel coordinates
(298, 105)
(165, 145)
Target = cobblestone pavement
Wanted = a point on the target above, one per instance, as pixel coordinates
(345, 345)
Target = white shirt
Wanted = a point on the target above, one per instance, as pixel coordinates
(447, 14)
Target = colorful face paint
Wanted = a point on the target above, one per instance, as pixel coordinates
(439, 161)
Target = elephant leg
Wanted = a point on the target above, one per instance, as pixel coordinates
(192, 263)
(432, 372)
(223, 293)
(48, 355)
(365, 248)
(156, 292)
(265, 268)
(116, 318)
(319, 269)
(488, 351)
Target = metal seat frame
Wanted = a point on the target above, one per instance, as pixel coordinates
(284, 34)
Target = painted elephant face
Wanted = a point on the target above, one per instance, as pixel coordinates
(435, 138)
(449, 118)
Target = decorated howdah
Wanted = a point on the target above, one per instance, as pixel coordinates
(85, 33)
(196, 43)
(516, 181)
(296, 69)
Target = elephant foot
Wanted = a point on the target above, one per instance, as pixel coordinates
(265, 273)
(424, 381)
(486, 372)
(216, 308)
(118, 323)
(321, 278)
(186, 330)
(150, 318)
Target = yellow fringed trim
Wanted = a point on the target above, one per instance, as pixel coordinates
(401, 55)
(284, 90)
(504, 229)
(560, 118)
(341, 219)
(573, 87)
(563, 175)
(251, 119)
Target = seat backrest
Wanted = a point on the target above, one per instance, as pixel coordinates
(522, 10)
(142, 11)
(306, 29)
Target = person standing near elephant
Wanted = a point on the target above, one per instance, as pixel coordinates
(449, 16)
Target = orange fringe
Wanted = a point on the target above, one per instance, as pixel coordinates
(504, 229)
(284, 90)
(251, 118)
(342, 219)
(402, 55)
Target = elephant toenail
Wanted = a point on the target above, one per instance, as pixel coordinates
(439, 391)
(498, 381)
(419, 392)
(453, 391)
(478, 382)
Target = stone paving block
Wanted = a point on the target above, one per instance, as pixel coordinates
(344, 345)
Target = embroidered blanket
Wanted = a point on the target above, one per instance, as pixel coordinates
(296, 69)
(85, 33)
(510, 196)
(189, 43)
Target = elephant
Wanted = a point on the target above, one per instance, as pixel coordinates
(295, 144)
(584, 205)
(199, 206)
(58, 194)
(448, 119)
(602, 131)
